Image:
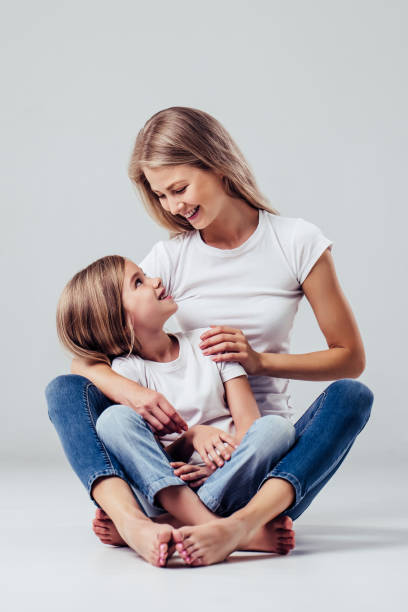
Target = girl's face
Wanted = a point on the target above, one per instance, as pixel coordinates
(196, 194)
(145, 300)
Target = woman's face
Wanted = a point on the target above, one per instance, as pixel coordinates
(196, 194)
(145, 300)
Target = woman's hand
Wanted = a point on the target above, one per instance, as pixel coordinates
(212, 444)
(193, 475)
(156, 410)
(230, 344)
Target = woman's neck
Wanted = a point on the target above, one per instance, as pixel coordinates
(158, 346)
(233, 226)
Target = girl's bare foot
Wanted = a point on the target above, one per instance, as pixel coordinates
(214, 541)
(150, 540)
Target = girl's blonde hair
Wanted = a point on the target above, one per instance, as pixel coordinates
(183, 135)
(91, 319)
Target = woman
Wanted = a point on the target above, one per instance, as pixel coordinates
(234, 264)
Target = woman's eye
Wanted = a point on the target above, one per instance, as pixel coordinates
(181, 190)
(138, 281)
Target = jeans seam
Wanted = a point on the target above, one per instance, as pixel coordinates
(107, 458)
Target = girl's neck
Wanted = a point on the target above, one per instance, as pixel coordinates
(158, 346)
(233, 226)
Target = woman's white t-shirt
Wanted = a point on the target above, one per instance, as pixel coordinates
(255, 287)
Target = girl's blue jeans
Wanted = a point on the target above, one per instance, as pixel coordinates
(323, 436)
(130, 439)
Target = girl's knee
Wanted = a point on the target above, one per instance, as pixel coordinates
(275, 427)
(117, 418)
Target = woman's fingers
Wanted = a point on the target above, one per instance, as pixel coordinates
(175, 418)
(217, 329)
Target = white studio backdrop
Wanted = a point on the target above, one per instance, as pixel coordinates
(315, 95)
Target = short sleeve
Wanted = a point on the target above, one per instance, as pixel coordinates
(156, 263)
(230, 369)
(308, 244)
(130, 368)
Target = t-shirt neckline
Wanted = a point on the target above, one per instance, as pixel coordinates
(248, 244)
(170, 365)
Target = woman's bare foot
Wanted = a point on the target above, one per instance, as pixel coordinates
(150, 540)
(104, 528)
(214, 541)
(277, 536)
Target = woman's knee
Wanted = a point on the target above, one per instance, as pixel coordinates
(63, 390)
(356, 399)
(71, 396)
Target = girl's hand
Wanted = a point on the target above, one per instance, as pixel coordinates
(230, 344)
(157, 411)
(193, 475)
(213, 445)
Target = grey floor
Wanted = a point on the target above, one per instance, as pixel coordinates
(351, 553)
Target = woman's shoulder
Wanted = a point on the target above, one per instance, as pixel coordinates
(290, 229)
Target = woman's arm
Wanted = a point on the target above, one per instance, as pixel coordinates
(150, 404)
(242, 405)
(344, 359)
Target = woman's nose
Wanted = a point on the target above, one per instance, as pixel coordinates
(175, 206)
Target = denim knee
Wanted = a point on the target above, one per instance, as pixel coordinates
(272, 426)
(61, 388)
(118, 415)
(357, 399)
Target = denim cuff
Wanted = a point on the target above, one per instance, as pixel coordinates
(290, 478)
(101, 474)
(154, 487)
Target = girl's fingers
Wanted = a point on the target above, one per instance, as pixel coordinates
(222, 451)
(197, 483)
(212, 450)
(177, 464)
(186, 469)
(207, 460)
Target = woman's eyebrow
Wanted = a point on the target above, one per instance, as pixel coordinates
(170, 186)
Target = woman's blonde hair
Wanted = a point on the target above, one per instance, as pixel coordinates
(183, 135)
(91, 319)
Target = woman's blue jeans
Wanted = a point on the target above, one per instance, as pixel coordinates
(324, 435)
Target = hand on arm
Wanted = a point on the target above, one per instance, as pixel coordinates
(150, 404)
(345, 357)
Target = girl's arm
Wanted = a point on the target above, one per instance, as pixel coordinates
(242, 405)
(150, 404)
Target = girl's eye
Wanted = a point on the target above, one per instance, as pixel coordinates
(181, 190)
(137, 281)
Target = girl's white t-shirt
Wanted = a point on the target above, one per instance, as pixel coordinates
(255, 287)
(192, 383)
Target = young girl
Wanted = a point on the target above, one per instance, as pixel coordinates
(112, 312)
